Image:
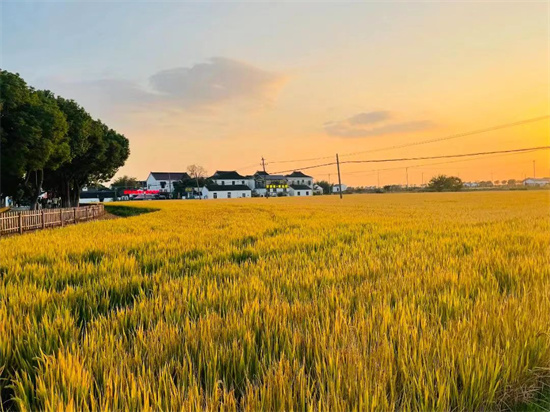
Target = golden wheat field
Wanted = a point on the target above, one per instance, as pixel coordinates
(376, 302)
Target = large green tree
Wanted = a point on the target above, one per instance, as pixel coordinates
(33, 136)
(444, 183)
(80, 142)
(52, 143)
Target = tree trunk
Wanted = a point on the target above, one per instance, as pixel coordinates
(75, 198)
(38, 180)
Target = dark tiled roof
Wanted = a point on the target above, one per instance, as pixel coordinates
(170, 175)
(297, 173)
(261, 173)
(226, 188)
(300, 187)
(227, 175)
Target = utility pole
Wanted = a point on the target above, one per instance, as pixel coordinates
(339, 178)
(263, 163)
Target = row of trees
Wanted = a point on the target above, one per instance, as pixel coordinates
(52, 144)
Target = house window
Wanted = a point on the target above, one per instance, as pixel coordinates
(233, 183)
(215, 195)
(229, 194)
(307, 193)
(163, 184)
(244, 194)
(223, 183)
(297, 193)
(243, 182)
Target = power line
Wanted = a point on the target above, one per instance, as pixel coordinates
(403, 159)
(455, 136)
(439, 139)
(422, 165)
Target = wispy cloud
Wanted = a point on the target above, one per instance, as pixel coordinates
(218, 81)
(370, 124)
(207, 85)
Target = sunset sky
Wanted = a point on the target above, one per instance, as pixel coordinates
(222, 84)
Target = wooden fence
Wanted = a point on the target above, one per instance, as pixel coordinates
(19, 222)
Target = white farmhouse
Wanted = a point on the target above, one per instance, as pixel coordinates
(214, 191)
(299, 184)
(299, 178)
(532, 181)
(228, 185)
(232, 178)
(164, 181)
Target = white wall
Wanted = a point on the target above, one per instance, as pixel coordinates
(234, 194)
(300, 181)
(532, 182)
(336, 188)
(300, 192)
(229, 182)
(153, 184)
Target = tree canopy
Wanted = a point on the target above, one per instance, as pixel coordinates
(125, 182)
(444, 183)
(49, 143)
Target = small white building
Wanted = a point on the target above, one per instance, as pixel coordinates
(216, 191)
(164, 181)
(532, 181)
(336, 188)
(471, 184)
(300, 190)
(318, 190)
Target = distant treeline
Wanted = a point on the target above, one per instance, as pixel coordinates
(52, 144)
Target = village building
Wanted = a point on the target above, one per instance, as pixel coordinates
(232, 178)
(164, 181)
(215, 191)
(299, 178)
(336, 188)
(532, 181)
(229, 184)
(270, 185)
(300, 190)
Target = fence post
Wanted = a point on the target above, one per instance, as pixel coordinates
(43, 220)
(20, 223)
(61, 216)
